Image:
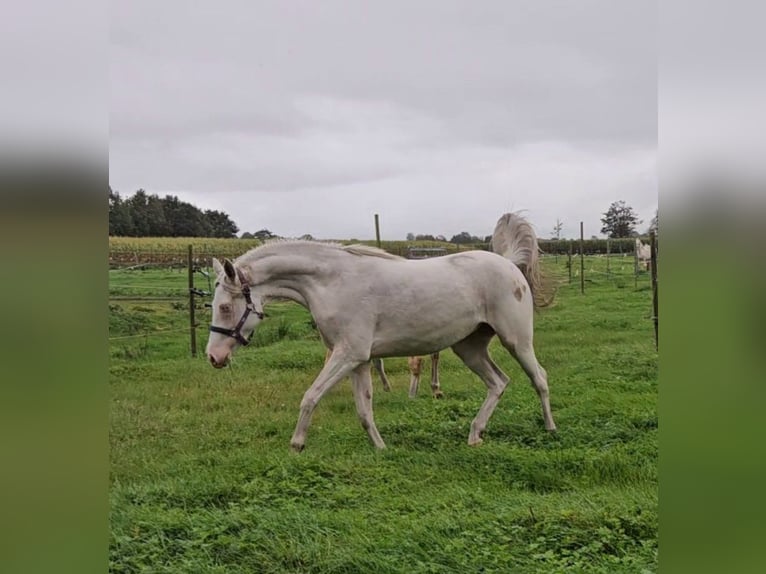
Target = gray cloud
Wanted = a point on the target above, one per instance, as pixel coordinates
(454, 110)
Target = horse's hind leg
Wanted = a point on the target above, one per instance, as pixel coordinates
(378, 364)
(473, 352)
(538, 377)
(361, 384)
(436, 389)
(415, 364)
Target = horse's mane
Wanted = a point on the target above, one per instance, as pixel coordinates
(355, 249)
(359, 249)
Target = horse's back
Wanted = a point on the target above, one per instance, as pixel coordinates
(442, 300)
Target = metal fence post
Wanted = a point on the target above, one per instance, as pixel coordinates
(192, 325)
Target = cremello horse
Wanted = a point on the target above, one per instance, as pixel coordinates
(644, 253)
(501, 243)
(369, 304)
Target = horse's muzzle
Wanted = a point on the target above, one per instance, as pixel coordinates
(218, 362)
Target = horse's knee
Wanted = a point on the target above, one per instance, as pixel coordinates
(308, 403)
(415, 364)
(365, 421)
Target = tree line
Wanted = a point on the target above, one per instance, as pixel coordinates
(145, 215)
(460, 238)
(619, 221)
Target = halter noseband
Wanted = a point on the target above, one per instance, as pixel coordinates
(236, 333)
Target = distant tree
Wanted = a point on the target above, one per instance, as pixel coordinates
(307, 237)
(557, 229)
(247, 235)
(263, 234)
(154, 212)
(172, 207)
(619, 220)
(220, 224)
(120, 220)
(191, 222)
(464, 237)
(138, 205)
(184, 219)
(145, 215)
(440, 238)
(426, 237)
(410, 236)
(487, 239)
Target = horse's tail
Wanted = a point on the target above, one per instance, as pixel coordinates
(515, 240)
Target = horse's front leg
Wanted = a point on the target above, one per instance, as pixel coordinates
(335, 369)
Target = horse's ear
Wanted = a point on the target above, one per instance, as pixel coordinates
(228, 268)
(217, 267)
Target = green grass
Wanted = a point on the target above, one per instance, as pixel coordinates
(202, 479)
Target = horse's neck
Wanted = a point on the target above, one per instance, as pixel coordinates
(293, 276)
(278, 292)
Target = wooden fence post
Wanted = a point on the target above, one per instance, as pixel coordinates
(569, 260)
(377, 231)
(192, 325)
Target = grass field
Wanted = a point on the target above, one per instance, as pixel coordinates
(202, 479)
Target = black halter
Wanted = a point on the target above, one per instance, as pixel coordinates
(236, 333)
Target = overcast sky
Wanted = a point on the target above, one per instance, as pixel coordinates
(310, 117)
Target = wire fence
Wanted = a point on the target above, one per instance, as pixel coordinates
(162, 285)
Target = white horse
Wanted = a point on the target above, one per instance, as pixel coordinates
(643, 252)
(501, 243)
(369, 304)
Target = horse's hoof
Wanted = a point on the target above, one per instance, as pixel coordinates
(475, 442)
(438, 395)
(296, 447)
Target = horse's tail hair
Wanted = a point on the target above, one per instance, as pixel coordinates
(515, 239)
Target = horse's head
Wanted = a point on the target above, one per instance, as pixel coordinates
(236, 313)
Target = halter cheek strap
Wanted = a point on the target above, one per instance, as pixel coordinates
(236, 332)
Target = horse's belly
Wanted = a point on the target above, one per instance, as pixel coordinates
(421, 340)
